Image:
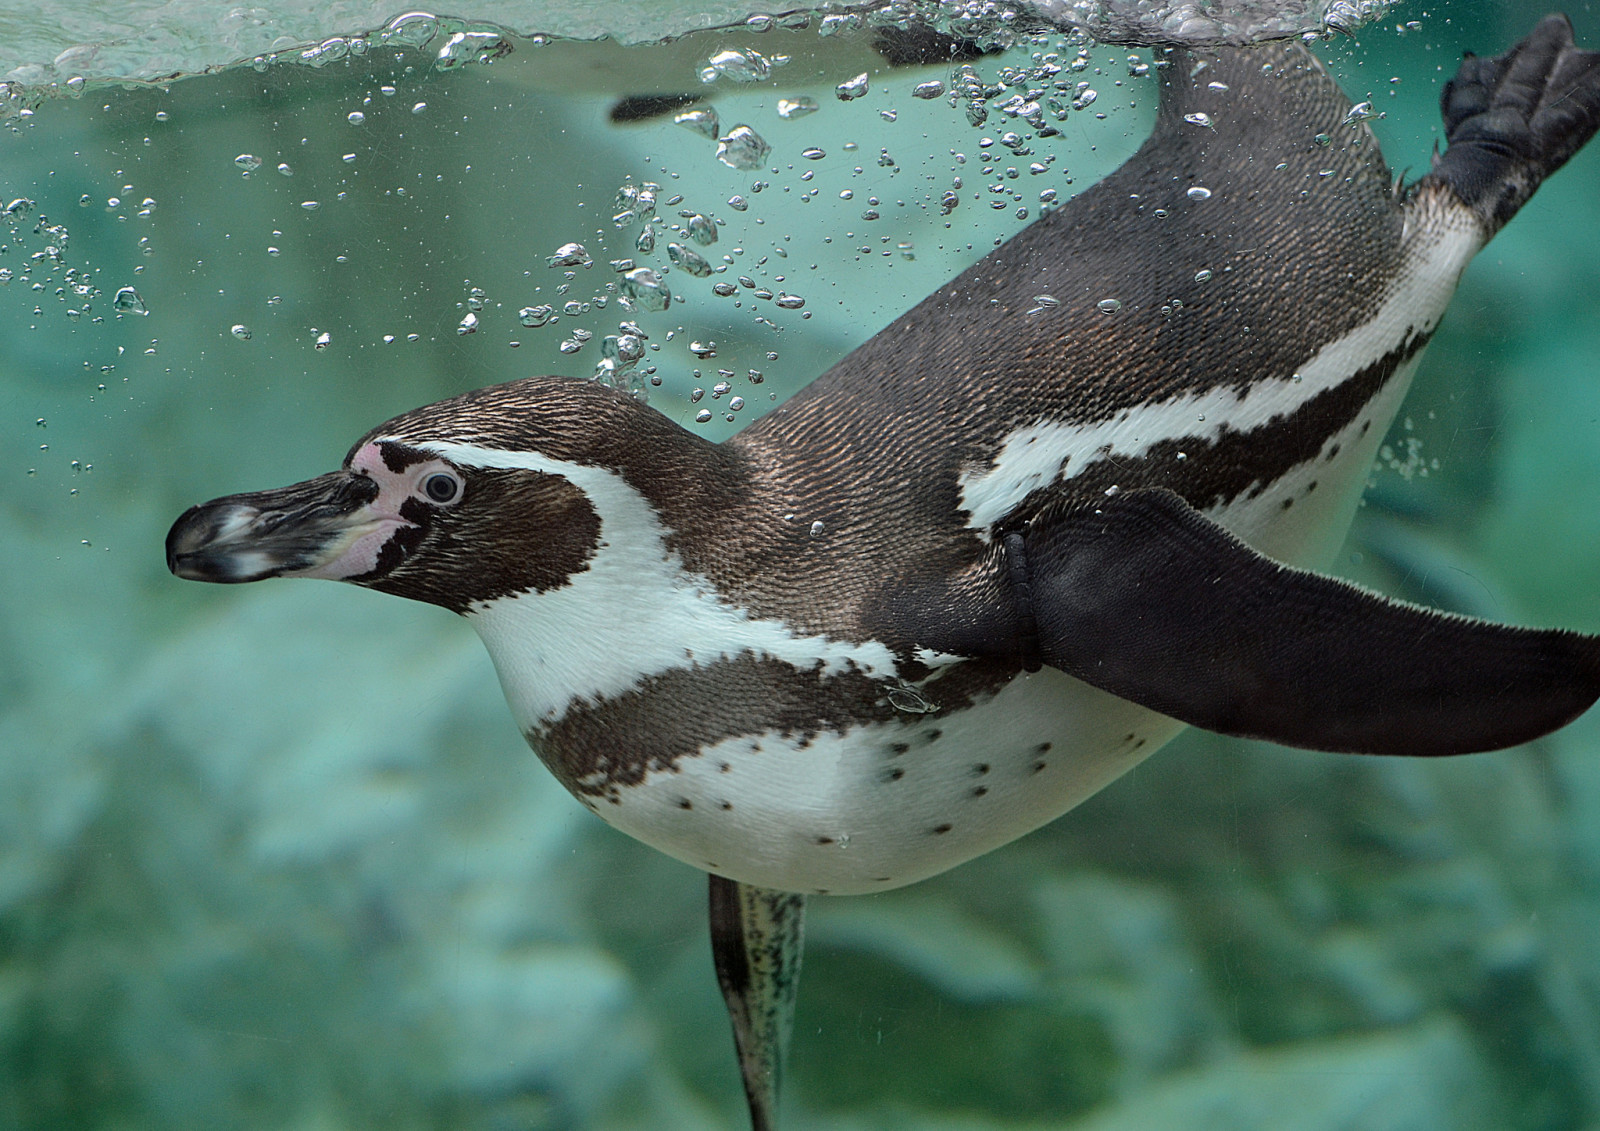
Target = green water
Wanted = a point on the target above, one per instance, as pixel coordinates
(275, 857)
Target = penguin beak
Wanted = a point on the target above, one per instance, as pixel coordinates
(300, 530)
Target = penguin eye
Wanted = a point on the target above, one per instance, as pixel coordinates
(441, 487)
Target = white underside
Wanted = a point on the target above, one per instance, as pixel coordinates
(830, 815)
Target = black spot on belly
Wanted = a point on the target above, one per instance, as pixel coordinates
(895, 774)
(980, 791)
(685, 803)
(899, 748)
(727, 766)
(981, 768)
(940, 830)
(1044, 747)
(824, 840)
(1287, 503)
(933, 735)
(1333, 451)
(1310, 487)
(725, 806)
(883, 879)
(1039, 765)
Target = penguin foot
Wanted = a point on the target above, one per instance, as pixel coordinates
(757, 938)
(1514, 119)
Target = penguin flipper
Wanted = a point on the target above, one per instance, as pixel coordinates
(1514, 119)
(757, 939)
(1141, 595)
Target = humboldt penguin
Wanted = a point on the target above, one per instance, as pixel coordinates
(1005, 549)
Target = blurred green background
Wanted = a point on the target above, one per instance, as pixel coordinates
(275, 857)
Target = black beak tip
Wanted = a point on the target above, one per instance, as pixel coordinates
(202, 547)
(180, 540)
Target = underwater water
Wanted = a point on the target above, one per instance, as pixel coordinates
(276, 856)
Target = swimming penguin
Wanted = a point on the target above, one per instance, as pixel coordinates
(1004, 550)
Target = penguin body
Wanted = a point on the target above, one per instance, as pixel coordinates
(1008, 547)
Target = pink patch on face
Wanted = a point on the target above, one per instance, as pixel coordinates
(372, 526)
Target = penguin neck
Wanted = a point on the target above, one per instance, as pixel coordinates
(650, 601)
(657, 594)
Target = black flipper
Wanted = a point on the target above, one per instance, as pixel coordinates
(1141, 595)
(757, 938)
(1514, 119)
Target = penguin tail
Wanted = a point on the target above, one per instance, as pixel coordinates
(1512, 120)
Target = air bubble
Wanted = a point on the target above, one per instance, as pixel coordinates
(742, 148)
(240, 331)
(739, 65)
(702, 120)
(689, 260)
(1199, 119)
(248, 162)
(813, 153)
(817, 528)
(1109, 305)
(468, 324)
(702, 230)
(355, 117)
(1203, 275)
(535, 316)
(931, 89)
(1358, 113)
(789, 301)
(852, 89)
(569, 255)
(1199, 192)
(645, 287)
(790, 108)
(128, 301)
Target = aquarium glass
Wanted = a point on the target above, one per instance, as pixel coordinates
(275, 857)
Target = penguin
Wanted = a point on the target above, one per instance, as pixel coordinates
(1070, 503)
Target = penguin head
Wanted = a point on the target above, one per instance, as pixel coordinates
(458, 504)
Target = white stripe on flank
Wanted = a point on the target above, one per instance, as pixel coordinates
(635, 612)
(1438, 243)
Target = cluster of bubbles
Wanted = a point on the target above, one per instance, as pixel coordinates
(676, 238)
(41, 264)
(453, 43)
